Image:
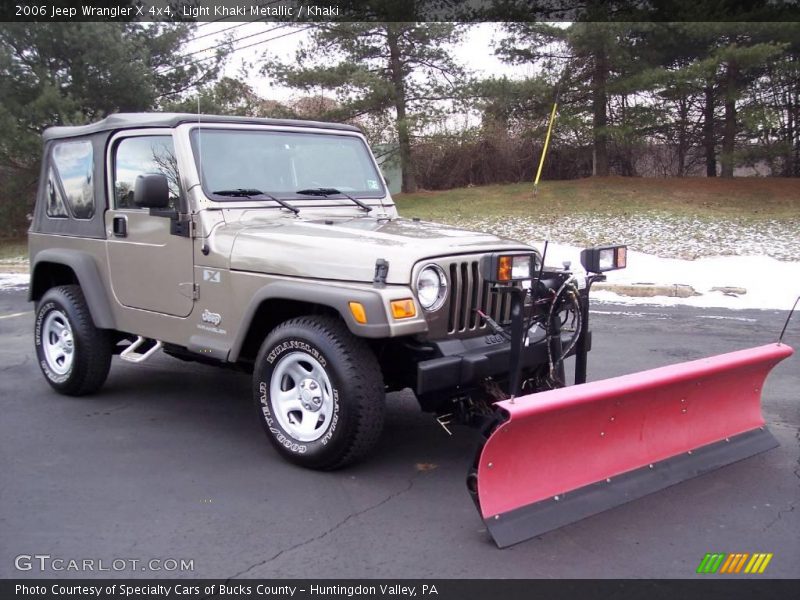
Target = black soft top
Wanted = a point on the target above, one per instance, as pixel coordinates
(161, 119)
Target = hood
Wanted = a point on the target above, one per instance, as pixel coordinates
(346, 249)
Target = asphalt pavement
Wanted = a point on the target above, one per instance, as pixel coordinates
(168, 462)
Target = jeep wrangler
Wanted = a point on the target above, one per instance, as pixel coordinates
(274, 246)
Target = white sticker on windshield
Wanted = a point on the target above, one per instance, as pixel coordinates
(372, 184)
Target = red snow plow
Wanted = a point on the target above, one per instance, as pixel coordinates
(564, 454)
(553, 455)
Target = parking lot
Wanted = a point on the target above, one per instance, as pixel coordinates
(169, 462)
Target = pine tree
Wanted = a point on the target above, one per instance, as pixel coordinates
(375, 68)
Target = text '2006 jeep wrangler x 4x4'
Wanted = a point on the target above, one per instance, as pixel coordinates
(274, 246)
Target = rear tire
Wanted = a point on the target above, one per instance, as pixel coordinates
(319, 392)
(73, 354)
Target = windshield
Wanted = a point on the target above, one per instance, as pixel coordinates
(283, 163)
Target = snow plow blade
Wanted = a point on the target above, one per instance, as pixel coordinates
(561, 455)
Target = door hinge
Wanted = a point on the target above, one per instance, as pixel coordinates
(183, 226)
(190, 290)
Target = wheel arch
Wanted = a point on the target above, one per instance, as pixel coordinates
(270, 313)
(52, 267)
(278, 301)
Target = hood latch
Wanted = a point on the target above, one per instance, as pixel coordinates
(381, 272)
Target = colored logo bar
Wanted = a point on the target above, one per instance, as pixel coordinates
(736, 562)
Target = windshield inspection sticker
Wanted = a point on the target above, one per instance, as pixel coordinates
(372, 184)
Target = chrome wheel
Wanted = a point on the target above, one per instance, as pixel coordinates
(301, 396)
(58, 342)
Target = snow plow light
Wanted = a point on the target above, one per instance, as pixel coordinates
(504, 268)
(604, 258)
(403, 309)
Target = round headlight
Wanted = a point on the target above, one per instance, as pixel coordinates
(431, 287)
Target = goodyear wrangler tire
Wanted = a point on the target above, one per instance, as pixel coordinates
(73, 354)
(319, 392)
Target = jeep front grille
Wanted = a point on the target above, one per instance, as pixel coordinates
(468, 292)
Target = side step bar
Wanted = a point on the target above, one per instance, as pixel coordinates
(132, 354)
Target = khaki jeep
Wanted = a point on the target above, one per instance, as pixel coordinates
(274, 246)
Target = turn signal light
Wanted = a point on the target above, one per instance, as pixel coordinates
(359, 313)
(403, 309)
(504, 268)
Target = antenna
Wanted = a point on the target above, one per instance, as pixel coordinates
(789, 318)
(199, 144)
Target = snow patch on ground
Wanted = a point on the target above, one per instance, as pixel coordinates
(666, 235)
(13, 280)
(770, 283)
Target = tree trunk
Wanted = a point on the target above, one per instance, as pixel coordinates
(788, 163)
(628, 159)
(793, 135)
(399, 92)
(600, 118)
(729, 129)
(683, 124)
(729, 139)
(709, 141)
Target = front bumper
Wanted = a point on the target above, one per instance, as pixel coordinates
(465, 363)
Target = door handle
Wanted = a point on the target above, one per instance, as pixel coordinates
(120, 226)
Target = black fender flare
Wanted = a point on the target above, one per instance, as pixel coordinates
(337, 298)
(87, 272)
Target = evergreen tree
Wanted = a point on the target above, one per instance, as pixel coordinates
(72, 73)
(375, 68)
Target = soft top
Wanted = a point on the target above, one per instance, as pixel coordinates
(162, 119)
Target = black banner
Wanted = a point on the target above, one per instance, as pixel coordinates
(320, 11)
(438, 589)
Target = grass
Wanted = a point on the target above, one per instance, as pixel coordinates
(740, 199)
(13, 249)
(685, 217)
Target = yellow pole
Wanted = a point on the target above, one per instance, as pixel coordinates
(544, 150)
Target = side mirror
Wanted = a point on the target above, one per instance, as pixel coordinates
(151, 190)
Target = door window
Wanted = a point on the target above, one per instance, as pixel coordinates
(140, 155)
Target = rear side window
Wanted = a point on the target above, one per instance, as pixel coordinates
(140, 155)
(74, 166)
(55, 198)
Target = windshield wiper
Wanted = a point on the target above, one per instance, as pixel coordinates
(250, 192)
(240, 192)
(330, 192)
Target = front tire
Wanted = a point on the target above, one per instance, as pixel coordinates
(319, 392)
(73, 354)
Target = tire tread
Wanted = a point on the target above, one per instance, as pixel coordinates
(92, 365)
(364, 377)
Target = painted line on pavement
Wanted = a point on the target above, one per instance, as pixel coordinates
(19, 314)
